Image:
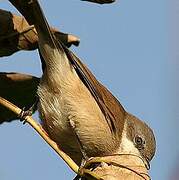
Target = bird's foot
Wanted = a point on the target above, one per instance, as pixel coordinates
(86, 170)
(24, 113)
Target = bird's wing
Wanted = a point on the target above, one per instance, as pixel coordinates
(20, 89)
(109, 105)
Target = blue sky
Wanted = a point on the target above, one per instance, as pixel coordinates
(131, 46)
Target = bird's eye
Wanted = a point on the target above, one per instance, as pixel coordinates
(139, 142)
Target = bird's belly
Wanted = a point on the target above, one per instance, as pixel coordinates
(54, 117)
(70, 111)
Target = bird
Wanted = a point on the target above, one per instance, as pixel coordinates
(77, 111)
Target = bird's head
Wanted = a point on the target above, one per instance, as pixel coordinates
(138, 139)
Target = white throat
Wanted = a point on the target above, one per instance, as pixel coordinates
(127, 146)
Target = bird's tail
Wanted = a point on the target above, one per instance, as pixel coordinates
(33, 13)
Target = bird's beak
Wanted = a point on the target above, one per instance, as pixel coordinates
(146, 162)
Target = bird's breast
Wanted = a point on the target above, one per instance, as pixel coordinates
(66, 102)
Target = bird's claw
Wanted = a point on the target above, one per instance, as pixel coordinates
(23, 114)
(86, 171)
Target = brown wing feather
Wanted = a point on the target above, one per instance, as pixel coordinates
(104, 98)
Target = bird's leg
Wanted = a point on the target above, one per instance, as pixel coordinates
(84, 155)
(83, 171)
(24, 113)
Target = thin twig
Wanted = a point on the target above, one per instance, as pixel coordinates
(42, 133)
